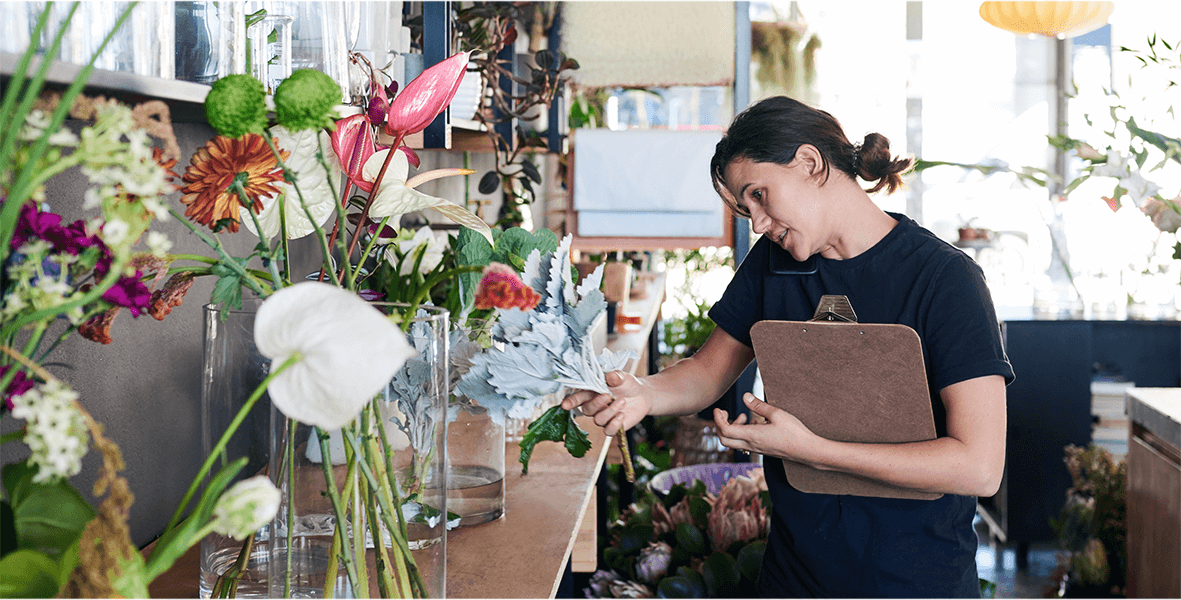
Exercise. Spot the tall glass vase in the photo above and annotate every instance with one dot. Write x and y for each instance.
(388, 483)
(475, 463)
(232, 369)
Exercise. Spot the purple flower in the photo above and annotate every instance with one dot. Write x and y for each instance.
(47, 226)
(130, 293)
(19, 385)
(33, 223)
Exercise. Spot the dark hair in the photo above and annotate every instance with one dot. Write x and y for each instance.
(771, 130)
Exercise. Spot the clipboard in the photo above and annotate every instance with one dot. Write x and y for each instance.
(846, 381)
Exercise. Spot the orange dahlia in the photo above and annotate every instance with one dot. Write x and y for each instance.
(208, 193)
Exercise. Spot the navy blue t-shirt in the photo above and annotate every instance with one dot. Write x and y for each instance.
(853, 546)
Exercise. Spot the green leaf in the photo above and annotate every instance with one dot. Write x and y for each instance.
(516, 244)
(636, 537)
(176, 541)
(577, 442)
(227, 292)
(1156, 139)
(615, 559)
(132, 581)
(554, 425)
(721, 575)
(691, 539)
(28, 574)
(7, 529)
(750, 559)
(699, 509)
(680, 586)
(67, 562)
(48, 517)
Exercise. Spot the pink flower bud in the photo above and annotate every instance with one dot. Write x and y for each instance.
(377, 110)
(426, 97)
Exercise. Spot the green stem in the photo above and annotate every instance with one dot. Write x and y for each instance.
(289, 458)
(193, 257)
(369, 247)
(337, 505)
(268, 256)
(253, 283)
(283, 241)
(387, 514)
(290, 176)
(434, 280)
(373, 194)
(227, 583)
(13, 436)
(225, 437)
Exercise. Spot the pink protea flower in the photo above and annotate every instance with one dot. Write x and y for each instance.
(738, 514)
(501, 287)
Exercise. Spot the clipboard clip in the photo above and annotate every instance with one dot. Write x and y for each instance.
(834, 308)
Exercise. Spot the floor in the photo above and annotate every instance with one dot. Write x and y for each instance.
(999, 565)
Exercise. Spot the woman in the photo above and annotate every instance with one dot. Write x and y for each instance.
(791, 170)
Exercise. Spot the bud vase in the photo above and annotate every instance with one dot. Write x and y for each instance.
(475, 463)
(232, 368)
(394, 536)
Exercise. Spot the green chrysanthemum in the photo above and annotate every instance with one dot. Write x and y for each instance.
(305, 100)
(236, 105)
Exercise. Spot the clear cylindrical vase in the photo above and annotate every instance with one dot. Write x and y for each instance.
(475, 464)
(388, 482)
(232, 370)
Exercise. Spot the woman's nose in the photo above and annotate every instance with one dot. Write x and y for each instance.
(760, 223)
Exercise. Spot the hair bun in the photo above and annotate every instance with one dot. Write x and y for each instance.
(872, 162)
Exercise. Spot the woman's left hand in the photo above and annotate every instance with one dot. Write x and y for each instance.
(776, 433)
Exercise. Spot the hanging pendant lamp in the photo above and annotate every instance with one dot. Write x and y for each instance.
(1051, 19)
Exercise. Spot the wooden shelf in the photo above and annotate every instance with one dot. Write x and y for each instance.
(184, 98)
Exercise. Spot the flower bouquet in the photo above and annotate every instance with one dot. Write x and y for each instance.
(688, 543)
(348, 375)
(543, 349)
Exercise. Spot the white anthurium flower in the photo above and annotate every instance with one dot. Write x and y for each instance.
(313, 183)
(347, 352)
(436, 245)
(397, 195)
(245, 507)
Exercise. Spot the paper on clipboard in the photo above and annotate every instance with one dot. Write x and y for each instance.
(847, 381)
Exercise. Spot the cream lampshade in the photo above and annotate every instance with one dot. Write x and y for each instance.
(1051, 19)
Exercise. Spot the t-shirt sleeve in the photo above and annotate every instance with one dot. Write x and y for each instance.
(963, 333)
(741, 306)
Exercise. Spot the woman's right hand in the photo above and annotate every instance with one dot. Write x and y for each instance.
(626, 405)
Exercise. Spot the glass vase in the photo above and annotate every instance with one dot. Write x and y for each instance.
(400, 437)
(475, 463)
(232, 369)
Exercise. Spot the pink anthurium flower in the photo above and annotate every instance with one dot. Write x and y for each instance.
(396, 194)
(425, 97)
(354, 142)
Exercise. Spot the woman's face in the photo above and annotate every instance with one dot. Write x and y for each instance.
(782, 202)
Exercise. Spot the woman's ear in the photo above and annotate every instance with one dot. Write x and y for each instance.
(809, 158)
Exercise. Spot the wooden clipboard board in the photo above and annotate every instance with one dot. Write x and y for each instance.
(846, 381)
